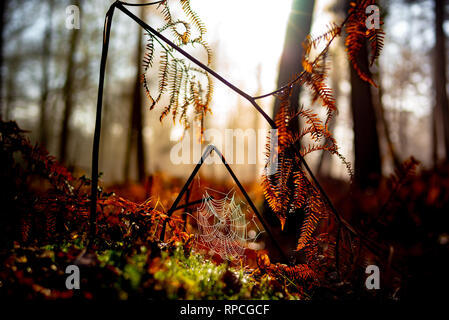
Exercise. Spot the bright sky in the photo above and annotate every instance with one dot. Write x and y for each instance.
(244, 35)
(252, 39)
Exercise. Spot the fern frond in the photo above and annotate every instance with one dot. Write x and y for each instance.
(181, 38)
(25, 228)
(193, 17)
(149, 53)
(163, 73)
(333, 31)
(298, 273)
(315, 78)
(402, 173)
(314, 122)
(176, 76)
(301, 187)
(282, 120)
(315, 147)
(166, 12)
(376, 41)
(206, 48)
(146, 87)
(315, 211)
(358, 34)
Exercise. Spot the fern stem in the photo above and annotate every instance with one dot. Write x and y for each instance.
(197, 62)
(96, 142)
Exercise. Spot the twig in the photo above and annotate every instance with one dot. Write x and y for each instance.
(141, 4)
(189, 204)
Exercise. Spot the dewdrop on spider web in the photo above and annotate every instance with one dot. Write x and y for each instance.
(223, 227)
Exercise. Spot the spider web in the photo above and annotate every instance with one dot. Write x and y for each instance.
(223, 227)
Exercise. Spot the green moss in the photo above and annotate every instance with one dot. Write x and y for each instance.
(200, 278)
(143, 273)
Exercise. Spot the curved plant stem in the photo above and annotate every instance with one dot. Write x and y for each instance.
(96, 143)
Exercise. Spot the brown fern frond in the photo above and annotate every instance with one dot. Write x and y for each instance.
(165, 112)
(333, 31)
(50, 222)
(309, 148)
(376, 41)
(315, 211)
(315, 72)
(406, 170)
(299, 272)
(270, 194)
(282, 121)
(316, 81)
(315, 125)
(301, 188)
(296, 273)
(358, 34)
(25, 228)
(146, 87)
(166, 12)
(149, 53)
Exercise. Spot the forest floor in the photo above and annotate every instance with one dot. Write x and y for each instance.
(44, 229)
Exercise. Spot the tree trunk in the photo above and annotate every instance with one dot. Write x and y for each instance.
(384, 123)
(135, 134)
(46, 48)
(441, 101)
(3, 6)
(298, 28)
(434, 120)
(68, 92)
(367, 165)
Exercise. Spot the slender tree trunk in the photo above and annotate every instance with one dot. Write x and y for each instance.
(367, 164)
(46, 48)
(298, 28)
(135, 134)
(68, 93)
(384, 123)
(441, 100)
(10, 96)
(434, 137)
(3, 6)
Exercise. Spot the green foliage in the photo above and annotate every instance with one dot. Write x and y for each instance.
(193, 277)
(144, 273)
